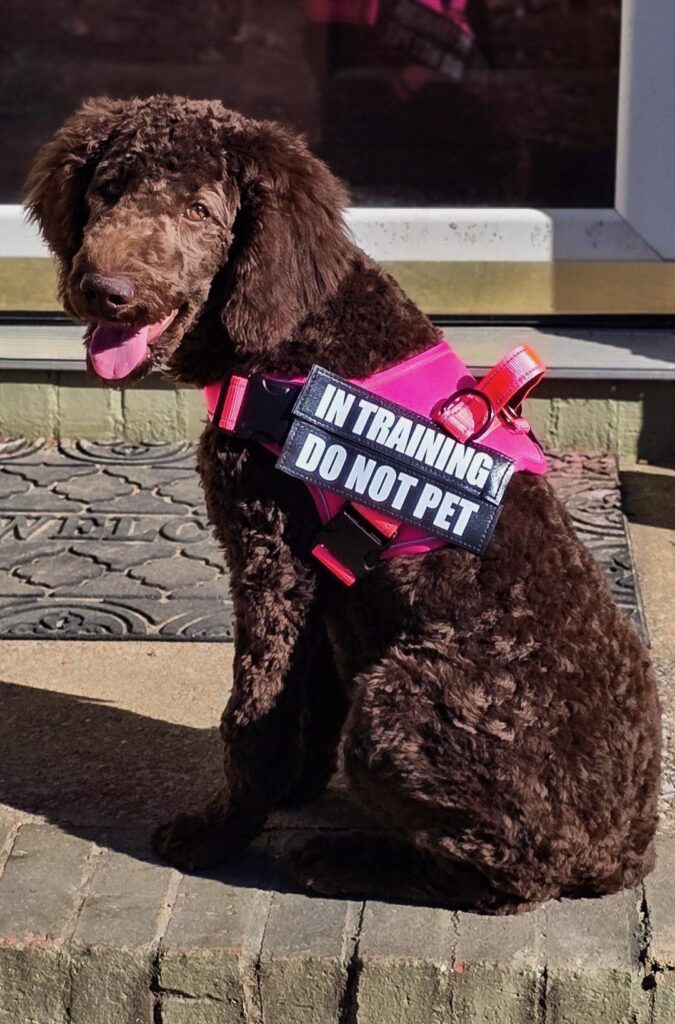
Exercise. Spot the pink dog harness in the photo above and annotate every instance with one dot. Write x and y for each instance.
(386, 481)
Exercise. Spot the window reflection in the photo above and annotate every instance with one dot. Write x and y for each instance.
(412, 102)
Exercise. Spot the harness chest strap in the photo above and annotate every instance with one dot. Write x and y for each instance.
(470, 411)
(260, 408)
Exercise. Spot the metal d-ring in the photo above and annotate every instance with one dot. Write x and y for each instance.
(488, 405)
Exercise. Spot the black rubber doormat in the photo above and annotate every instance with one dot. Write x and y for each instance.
(110, 541)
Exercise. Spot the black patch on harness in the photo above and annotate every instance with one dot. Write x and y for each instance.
(385, 428)
(380, 482)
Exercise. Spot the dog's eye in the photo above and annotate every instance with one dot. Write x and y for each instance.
(111, 190)
(197, 212)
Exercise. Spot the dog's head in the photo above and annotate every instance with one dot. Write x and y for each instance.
(161, 209)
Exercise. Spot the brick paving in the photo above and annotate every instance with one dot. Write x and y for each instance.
(89, 935)
(98, 741)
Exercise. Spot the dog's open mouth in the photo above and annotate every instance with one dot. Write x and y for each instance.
(115, 350)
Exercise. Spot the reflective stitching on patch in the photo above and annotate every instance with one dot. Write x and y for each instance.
(361, 417)
(372, 479)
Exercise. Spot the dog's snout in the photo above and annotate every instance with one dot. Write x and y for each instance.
(109, 293)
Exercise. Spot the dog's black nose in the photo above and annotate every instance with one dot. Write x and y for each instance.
(110, 293)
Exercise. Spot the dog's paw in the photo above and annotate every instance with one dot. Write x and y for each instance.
(194, 841)
(315, 867)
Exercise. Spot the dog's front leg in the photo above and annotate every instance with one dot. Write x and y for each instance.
(278, 642)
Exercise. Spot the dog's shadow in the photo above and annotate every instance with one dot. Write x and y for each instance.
(110, 775)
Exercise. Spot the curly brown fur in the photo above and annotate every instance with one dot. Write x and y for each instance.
(497, 714)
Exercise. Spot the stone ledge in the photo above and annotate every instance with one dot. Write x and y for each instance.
(569, 353)
(634, 418)
(92, 936)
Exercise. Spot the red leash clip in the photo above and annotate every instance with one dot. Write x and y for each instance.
(470, 412)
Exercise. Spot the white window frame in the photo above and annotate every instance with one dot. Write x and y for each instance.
(640, 227)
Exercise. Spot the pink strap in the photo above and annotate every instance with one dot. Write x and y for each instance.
(233, 402)
(471, 410)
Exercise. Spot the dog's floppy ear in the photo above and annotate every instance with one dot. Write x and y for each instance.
(290, 248)
(60, 174)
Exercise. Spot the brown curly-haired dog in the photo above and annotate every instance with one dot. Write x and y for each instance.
(497, 714)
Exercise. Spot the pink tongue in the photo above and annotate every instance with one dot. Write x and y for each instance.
(116, 351)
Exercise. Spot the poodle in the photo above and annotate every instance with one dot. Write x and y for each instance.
(496, 714)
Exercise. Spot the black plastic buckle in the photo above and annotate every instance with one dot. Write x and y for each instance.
(351, 541)
(266, 410)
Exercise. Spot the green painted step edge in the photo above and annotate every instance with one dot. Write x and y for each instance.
(631, 418)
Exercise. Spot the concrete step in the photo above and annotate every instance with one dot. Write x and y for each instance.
(608, 389)
(101, 741)
(589, 353)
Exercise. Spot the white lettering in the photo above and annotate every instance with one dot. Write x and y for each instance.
(382, 483)
(332, 462)
(415, 439)
(383, 420)
(447, 508)
(325, 400)
(444, 453)
(466, 511)
(367, 410)
(360, 474)
(429, 498)
(405, 483)
(400, 435)
(431, 444)
(311, 452)
(339, 408)
(459, 460)
(479, 470)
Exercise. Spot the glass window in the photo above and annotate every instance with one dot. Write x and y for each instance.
(412, 102)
